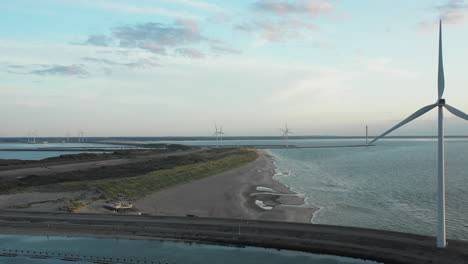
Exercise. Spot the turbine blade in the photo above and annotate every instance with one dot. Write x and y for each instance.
(441, 78)
(456, 112)
(290, 132)
(416, 114)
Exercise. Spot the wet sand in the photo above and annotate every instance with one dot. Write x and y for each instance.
(232, 194)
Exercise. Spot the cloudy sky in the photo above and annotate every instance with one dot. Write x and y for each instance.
(177, 67)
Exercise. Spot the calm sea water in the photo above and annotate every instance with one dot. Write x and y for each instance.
(38, 155)
(157, 251)
(391, 186)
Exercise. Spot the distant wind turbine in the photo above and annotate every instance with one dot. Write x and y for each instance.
(216, 134)
(34, 135)
(440, 104)
(81, 136)
(29, 136)
(286, 132)
(221, 133)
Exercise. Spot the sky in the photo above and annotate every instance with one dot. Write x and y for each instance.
(178, 67)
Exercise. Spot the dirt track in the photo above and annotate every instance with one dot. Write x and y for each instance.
(43, 169)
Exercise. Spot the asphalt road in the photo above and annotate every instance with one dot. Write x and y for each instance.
(383, 246)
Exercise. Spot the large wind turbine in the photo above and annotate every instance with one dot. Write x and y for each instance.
(440, 104)
(286, 132)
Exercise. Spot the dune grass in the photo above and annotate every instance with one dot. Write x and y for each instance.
(139, 186)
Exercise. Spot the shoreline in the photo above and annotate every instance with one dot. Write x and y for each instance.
(249, 192)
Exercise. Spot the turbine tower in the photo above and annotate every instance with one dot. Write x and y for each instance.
(286, 132)
(367, 135)
(440, 104)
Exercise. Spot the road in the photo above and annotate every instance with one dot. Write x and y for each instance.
(378, 245)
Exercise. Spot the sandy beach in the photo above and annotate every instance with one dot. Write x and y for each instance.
(248, 192)
(233, 194)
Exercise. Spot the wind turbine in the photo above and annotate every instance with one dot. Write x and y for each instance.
(29, 136)
(440, 104)
(221, 133)
(286, 133)
(34, 135)
(216, 134)
(80, 136)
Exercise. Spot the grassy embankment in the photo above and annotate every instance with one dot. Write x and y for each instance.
(139, 186)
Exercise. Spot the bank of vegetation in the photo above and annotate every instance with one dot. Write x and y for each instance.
(139, 186)
(135, 180)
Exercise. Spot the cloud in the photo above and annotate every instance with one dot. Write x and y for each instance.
(312, 8)
(278, 31)
(142, 63)
(385, 68)
(162, 39)
(320, 88)
(221, 50)
(452, 12)
(196, 4)
(155, 48)
(190, 53)
(286, 19)
(182, 32)
(72, 70)
(98, 40)
(15, 66)
(133, 9)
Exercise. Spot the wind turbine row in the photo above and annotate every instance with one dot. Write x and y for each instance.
(32, 133)
(440, 104)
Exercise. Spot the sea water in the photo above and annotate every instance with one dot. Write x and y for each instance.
(390, 186)
(138, 251)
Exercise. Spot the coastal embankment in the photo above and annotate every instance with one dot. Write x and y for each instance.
(362, 243)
